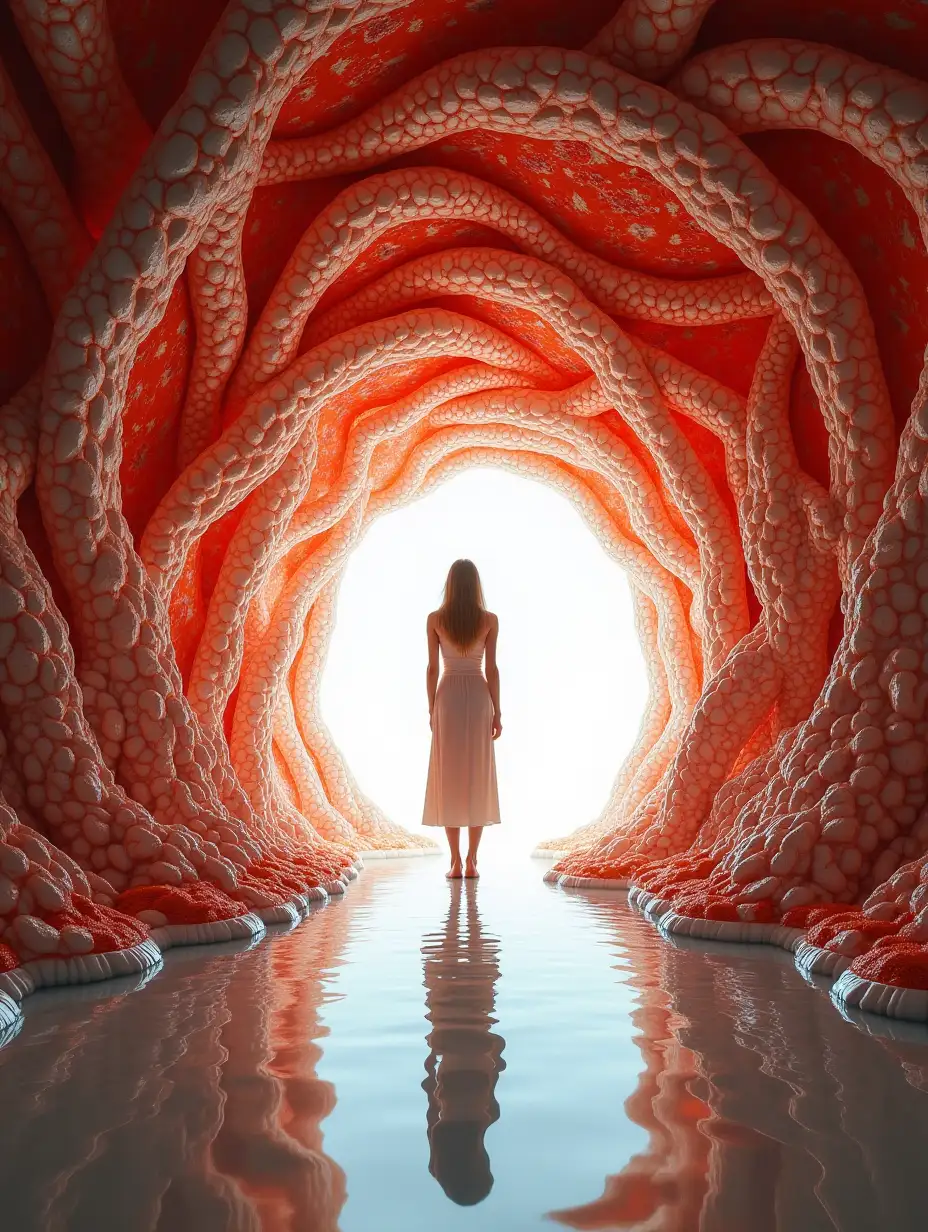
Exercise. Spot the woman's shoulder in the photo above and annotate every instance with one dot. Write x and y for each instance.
(492, 620)
(432, 621)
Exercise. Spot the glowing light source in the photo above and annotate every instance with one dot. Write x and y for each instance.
(573, 679)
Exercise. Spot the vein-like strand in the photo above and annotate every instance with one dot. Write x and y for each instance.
(786, 83)
(33, 196)
(255, 443)
(554, 95)
(270, 524)
(793, 578)
(312, 803)
(249, 557)
(119, 297)
(526, 283)
(650, 37)
(266, 665)
(365, 212)
(708, 403)
(72, 47)
(218, 295)
(781, 664)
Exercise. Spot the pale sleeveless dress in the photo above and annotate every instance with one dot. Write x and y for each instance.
(461, 789)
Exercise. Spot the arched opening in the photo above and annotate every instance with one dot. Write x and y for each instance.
(574, 683)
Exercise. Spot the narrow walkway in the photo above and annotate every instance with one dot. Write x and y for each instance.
(492, 1057)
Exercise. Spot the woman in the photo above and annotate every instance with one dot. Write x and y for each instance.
(464, 715)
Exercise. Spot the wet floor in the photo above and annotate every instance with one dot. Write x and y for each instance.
(422, 1056)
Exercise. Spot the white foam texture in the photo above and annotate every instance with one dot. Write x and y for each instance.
(145, 957)
(849, 991)
(856, 992)
(239, 928)
(11, 1018)
(55, 971)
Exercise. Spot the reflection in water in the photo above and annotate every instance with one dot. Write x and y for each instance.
(270, 1141)
(764, 1109)
(191, 1104)
(660, 1086)
(461, 968)
(663, 1188)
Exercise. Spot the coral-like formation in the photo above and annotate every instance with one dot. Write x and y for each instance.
(314, 257)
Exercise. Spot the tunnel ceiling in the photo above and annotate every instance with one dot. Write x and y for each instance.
(268, 271)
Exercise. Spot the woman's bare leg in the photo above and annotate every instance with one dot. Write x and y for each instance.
(473, 842)
(454, 843)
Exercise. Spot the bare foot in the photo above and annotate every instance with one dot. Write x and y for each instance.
(454, 873)
(470, 869)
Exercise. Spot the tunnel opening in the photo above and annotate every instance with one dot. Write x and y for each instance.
(574, 681)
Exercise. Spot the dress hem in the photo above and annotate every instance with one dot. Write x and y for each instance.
(466, 825)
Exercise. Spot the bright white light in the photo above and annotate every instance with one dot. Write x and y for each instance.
(573, 683)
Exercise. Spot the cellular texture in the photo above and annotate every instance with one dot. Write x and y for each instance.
(311, 259)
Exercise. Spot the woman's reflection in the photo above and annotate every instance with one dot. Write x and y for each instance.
(461, 968)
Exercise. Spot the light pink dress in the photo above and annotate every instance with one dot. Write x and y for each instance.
(461, 789)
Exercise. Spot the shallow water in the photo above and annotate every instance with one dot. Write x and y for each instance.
(494, 1056)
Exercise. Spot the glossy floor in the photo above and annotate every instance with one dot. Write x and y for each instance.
(429, 1056)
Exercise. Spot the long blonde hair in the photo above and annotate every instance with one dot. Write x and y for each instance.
(463, 610)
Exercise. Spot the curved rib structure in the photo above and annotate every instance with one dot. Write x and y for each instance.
(575, 273)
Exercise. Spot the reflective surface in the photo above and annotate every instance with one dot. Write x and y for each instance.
(430, 1056)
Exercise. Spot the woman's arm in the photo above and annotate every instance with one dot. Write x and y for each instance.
(431, 675)
(493, 674)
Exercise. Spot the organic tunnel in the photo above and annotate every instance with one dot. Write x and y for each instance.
(269, 270)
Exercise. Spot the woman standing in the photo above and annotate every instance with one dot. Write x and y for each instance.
(464, 714)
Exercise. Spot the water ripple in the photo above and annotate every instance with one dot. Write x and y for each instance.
(489, 1056)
